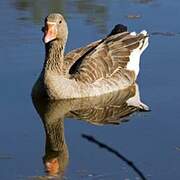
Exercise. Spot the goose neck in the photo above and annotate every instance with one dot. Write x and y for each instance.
(54, 57)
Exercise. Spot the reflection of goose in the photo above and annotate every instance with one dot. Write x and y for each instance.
(56, 152)
(106, 109)
(111, 108)
(101, 67)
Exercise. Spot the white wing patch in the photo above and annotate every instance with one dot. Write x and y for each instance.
(133, 64)
(134, 57)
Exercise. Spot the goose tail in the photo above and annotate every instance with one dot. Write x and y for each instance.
(134, 58)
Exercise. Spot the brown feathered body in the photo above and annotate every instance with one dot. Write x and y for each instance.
(101, 67)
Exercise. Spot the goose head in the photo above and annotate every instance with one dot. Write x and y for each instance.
(55, 28)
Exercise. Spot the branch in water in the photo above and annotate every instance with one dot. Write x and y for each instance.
(113, 151)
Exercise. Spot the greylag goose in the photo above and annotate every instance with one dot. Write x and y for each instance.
(104, 66)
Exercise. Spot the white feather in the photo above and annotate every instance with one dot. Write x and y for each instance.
(134, 57)
(133, 33)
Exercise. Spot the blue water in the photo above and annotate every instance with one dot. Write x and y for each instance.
(150, 139)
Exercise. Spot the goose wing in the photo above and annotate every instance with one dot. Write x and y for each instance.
(76, 54)
(109, 57)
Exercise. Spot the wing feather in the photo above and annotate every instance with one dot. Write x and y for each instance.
(107, 58)
(71, 58)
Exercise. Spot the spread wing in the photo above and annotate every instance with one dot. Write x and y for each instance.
(108, 57)
(70, 61)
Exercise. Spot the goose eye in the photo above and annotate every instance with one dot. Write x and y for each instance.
(60, 22)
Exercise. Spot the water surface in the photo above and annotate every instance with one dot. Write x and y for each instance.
(150, 139)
